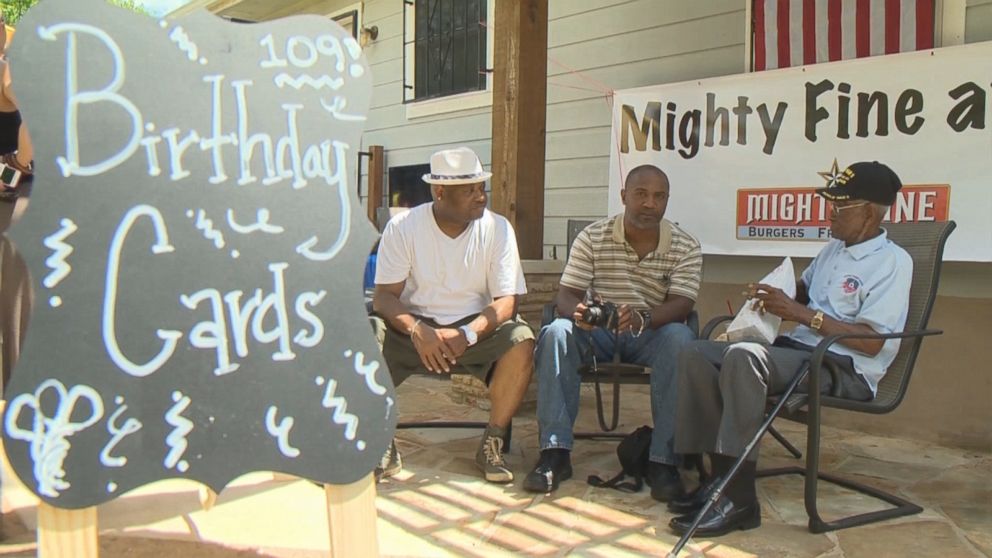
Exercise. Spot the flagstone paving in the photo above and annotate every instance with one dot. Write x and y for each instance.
(439, 505)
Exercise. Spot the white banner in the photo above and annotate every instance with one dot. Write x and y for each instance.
(743, 153)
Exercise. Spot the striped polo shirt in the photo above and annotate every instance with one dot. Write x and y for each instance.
(602, 258)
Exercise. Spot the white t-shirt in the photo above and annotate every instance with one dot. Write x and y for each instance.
(448, 279)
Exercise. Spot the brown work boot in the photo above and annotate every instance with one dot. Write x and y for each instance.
(489, 457)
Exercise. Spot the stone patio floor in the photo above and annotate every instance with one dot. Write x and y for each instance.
(439, 505)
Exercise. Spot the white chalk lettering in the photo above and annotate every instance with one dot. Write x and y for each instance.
(60, 253)
(184, 43)
(280, 431)
(312, 339)
(206, 226)
(211, 334)
(169, 337)
(367, 371)
(306, 249)
(118, 433)
(339, 407)
(177, 148)
(247, 143)
(261, 223)
(274, 61)
(250, 318)
(240, 316)
(275, 301)
(69, 164)
(150, 143)
(176, 440)
(336, 108)
(49, 435)
(217, 140)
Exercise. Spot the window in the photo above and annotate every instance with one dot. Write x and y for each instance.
(446, 48)
(348, 18)
(407, 187)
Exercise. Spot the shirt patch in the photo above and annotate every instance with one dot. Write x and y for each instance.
(851, 284)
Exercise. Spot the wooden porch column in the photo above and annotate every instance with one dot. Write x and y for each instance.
(376, 176)
(519, 112)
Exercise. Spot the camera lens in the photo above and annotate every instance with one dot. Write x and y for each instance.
(593, 315)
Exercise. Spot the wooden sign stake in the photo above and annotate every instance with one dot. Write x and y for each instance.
(64, 533)
(207, 497)
(351, 518)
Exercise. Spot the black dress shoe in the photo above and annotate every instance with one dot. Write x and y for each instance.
(665, 482)
(723, 517)
(554, 466)
(693, 502)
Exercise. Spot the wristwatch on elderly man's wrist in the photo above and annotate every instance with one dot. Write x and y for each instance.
(816, 322)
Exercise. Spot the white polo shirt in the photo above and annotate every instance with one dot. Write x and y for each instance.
(448, 279)
(867, 283)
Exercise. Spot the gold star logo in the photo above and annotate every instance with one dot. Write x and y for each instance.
(831, 175)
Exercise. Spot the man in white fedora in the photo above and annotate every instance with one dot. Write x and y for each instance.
(447, 284)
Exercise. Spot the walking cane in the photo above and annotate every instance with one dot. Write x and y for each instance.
(722, 485)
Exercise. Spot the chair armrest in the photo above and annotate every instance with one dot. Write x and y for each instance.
(816, 360)
(712, 324)
(692, 322)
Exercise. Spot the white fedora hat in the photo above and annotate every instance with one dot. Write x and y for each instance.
(456, 166)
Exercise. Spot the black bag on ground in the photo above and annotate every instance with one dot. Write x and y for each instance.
(634, 451)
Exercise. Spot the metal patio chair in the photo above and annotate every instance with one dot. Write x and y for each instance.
(925, 244)
(614, 372)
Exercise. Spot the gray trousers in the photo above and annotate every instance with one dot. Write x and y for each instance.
(723, 388)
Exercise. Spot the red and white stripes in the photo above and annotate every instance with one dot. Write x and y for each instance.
(798, 32)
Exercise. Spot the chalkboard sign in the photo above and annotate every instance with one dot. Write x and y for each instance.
(196, 250)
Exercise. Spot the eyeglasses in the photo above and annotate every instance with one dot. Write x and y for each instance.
(836, 209)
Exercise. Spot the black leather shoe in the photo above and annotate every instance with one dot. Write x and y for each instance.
(554, 466)
(665, 482)
(693, 502)
(723, 517)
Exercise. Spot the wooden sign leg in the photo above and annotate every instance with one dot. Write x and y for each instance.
(67, 533)
(351, 519)
(207, 497)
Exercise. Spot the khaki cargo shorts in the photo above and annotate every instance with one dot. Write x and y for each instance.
(403, 360)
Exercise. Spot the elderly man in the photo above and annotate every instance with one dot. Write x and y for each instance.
(448, 279)
(649, 267)
(858, 284)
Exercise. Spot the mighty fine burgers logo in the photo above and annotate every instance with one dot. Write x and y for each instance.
(800, 214)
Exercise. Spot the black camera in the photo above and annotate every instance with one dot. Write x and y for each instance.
(602, 314)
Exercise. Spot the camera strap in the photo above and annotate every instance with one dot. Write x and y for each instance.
(615, 377)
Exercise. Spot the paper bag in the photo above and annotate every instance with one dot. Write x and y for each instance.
(750, 324)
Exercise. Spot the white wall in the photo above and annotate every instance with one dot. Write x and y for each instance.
(598, 45)
(410, 141)
(978, 21)
(593, 44)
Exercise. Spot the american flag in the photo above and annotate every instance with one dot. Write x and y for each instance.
(797, 32)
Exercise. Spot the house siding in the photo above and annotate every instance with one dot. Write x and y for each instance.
(595, 46)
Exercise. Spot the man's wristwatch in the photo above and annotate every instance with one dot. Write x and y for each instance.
(817, 321)
(470, 336)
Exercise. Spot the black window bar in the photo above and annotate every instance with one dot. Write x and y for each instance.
(449, 48)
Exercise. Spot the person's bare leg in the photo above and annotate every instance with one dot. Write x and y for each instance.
(506, 388)
(509, 382)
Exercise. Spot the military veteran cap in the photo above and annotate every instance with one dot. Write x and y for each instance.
(869, 181)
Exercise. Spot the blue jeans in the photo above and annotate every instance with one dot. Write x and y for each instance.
(562, 348)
